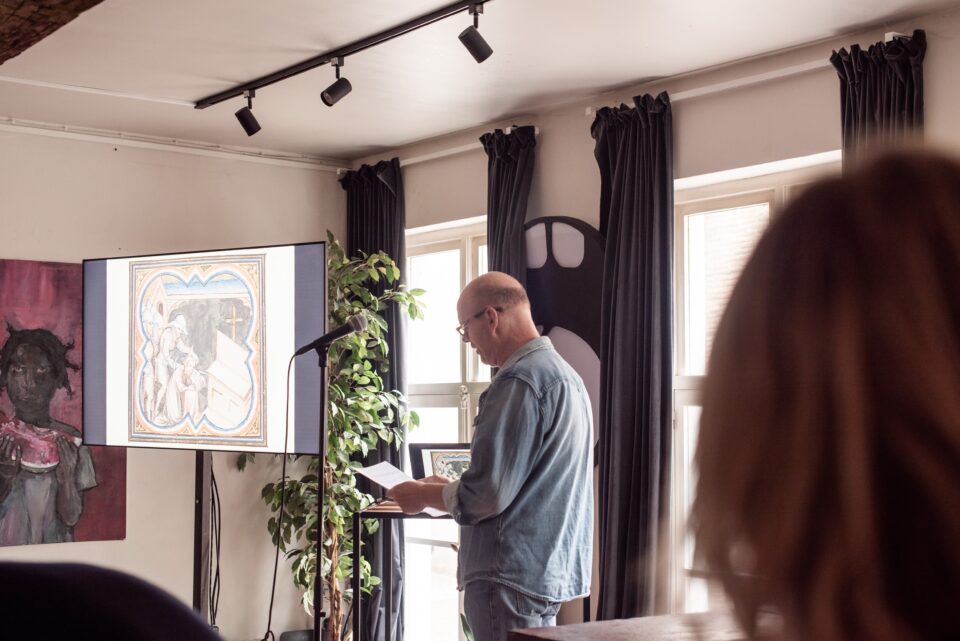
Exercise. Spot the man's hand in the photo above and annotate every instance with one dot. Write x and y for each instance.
(410, 496)
(413, 496)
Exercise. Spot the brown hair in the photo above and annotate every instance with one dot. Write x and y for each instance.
(829, 447)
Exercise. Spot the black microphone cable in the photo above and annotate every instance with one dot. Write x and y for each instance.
(283, 504)
(355, 323)
(217, 527)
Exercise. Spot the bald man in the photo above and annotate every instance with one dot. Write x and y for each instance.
(525, 505)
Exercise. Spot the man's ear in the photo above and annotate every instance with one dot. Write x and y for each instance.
(493, 317)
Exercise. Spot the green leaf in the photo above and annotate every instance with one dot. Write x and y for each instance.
(243, 459)
(467, 632)
(360, 415)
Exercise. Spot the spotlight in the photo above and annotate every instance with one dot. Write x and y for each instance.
(245, 115)
(472, 39)
(340, 88)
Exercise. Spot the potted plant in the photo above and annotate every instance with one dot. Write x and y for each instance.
(360, 415)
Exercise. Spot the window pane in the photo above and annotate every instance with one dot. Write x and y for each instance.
(690, 424)
(698, 596)
(432, 606)
(483, 374)
(483, 371)
(431, 563)
(433, 355)
(482, 259)
(703, 595)
(437, 425)
(716, 247)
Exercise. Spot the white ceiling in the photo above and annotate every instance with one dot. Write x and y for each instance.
(417, 86)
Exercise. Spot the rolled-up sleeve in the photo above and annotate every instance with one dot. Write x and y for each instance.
(506, 444)
(450, 501)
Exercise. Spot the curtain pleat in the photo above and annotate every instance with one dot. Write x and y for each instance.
(375, 222)
(881, 93)
(634, 151)
(510, 159)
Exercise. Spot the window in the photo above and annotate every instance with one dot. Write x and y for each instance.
(716, 243)
(444, 382)
(716, 229)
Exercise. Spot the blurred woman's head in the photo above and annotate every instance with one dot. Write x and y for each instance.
(829, 447)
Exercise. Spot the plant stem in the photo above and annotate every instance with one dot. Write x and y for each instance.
(333, 586)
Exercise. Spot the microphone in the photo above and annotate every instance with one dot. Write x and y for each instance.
(356, 323)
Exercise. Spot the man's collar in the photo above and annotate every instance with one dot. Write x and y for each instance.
(532, 345)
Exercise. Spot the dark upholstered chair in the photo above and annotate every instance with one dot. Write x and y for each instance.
(67, 601)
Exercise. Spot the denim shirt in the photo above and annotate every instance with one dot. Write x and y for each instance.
(525, 505)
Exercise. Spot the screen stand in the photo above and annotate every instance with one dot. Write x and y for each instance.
(318, 613)
(201, 535)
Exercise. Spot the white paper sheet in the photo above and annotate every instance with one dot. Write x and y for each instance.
(386, 476)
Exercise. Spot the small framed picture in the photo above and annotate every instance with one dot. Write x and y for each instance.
(439, 459)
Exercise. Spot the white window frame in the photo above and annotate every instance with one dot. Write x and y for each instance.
(465, 393)
(467, 238)
(774, 189)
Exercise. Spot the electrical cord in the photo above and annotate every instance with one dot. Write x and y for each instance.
(216, 526)
(283, 503)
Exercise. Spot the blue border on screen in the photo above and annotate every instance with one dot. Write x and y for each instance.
(94, 352)
(310, 297)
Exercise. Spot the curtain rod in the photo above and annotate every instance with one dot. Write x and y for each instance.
(453, 151)
(444, 153)
(739, 83)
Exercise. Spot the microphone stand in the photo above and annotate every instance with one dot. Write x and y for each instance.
(318, 613)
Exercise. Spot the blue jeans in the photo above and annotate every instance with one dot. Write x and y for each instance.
(493, 608)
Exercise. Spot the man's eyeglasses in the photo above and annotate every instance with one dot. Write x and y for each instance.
(462, 328)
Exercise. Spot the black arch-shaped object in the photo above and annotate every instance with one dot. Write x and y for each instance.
(567, 297)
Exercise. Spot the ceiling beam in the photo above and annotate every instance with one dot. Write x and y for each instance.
(24, 24)
(341, 52)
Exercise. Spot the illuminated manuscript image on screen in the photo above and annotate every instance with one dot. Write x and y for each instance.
(197, 351)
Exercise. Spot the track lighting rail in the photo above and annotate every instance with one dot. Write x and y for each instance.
(341, 52)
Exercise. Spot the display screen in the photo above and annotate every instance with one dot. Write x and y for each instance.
(190, 351)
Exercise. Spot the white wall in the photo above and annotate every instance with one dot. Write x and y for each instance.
(66, 200)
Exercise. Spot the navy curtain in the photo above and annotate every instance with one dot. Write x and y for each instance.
(510, 159)
(881, 93)
(634, 150)
(375, 222)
